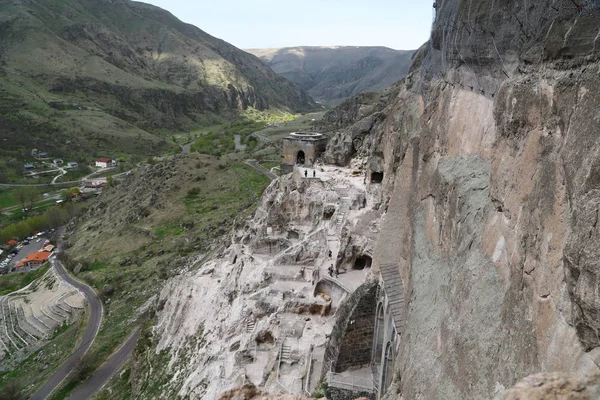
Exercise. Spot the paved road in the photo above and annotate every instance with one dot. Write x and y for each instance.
(106, 370)
(256, 165)
(68, 183)
(88, 336)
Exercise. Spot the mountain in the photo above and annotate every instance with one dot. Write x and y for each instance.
(331, 74)
(81, 76)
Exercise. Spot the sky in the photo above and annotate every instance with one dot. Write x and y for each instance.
(398, 24)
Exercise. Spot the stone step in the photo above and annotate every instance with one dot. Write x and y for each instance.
(250, 324)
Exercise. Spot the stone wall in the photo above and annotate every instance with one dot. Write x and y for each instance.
(357, 343)
(312, 149)
(350, 343)
(334, 393)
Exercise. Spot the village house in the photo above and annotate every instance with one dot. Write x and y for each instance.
(42, 155)
(105, 163)
(58, 161)
(11, 243)
(28, 167)
(96, 183)
(72, 164)
(33, 260)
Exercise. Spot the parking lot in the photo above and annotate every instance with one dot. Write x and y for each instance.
(33, 247)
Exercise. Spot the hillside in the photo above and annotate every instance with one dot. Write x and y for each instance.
(331, 74)
(116, 76)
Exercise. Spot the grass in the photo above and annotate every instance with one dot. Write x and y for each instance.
(281, 130)
(212, 195)
(18, 280)
(7, 199)
(271, 164)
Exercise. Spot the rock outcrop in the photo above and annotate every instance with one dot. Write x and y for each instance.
(488, 156)
(555, 386)
(485, 168)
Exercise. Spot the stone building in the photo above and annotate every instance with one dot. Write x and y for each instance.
(302, 148)
(363, 346)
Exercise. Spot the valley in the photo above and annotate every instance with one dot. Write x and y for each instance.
(332, 74)
(432, 235)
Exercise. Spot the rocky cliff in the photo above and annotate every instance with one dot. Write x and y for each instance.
(489, 158)
(332, 74)
(484, 170)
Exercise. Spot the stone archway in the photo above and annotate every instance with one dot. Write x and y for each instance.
(300, 158)
(388, 368)
(379, 336)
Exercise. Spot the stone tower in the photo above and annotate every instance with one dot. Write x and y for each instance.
(302, 148)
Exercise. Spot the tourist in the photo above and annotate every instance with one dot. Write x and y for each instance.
(337, 271)
(314, 173)
(305, 173)
(330, 270)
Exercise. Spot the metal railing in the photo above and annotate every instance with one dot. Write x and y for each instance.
(308, 372)
(350, 382)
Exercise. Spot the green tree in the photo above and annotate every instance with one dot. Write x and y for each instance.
(11, 391)
(20, 195)
(65, 195)
(33, 195)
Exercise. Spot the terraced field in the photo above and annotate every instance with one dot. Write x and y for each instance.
(30, 316)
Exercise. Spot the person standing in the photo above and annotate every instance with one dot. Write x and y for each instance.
(305, 173)
(314, 173)
(330, 270)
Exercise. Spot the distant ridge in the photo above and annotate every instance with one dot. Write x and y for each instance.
(331, 74)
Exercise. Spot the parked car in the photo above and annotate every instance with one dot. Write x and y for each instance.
(25, 242)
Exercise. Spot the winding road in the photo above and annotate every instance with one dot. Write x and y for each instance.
(89, 335)
(106, 371)
(256, 165)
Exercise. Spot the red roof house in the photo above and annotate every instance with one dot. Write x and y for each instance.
(11, 243)
(34, 259)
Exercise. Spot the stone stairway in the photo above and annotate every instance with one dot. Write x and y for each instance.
(250, 324)
(341, 214)
(286, 350)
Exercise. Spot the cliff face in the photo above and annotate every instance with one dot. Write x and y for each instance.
(490, 162)
(490, 194)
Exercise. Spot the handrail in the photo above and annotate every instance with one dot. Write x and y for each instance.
(353, 383)
(281, 386)
(308, 372)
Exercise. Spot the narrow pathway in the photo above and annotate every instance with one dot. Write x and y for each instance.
(256, 165)
(89, 335)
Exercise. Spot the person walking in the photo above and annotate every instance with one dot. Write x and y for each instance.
(305, 173)
(330, 253)
(314, 173)
(337, 272)
(330, 270)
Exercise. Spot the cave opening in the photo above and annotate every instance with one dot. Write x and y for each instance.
(362, 262)
(376, 177)
(300, 158)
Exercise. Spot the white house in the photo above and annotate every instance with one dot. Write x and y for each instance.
(105, 163)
